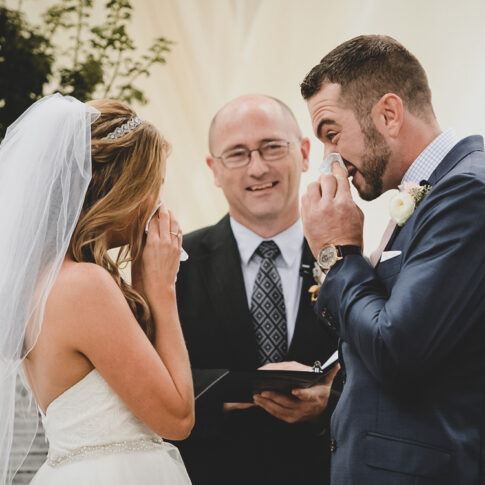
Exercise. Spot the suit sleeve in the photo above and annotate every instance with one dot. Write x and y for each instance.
(437, 299)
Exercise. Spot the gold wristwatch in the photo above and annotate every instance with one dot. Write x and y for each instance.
(330, 254)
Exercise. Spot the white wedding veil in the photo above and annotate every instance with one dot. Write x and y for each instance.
(45, 169)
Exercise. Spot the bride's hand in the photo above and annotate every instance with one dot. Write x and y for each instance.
(161, 255)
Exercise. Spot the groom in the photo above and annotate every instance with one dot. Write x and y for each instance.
(412, 329)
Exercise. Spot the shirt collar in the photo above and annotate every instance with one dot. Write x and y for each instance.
(289, 241)
(430, 157)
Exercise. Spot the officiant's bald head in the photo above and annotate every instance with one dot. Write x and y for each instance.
(273, 106)
(257, 155)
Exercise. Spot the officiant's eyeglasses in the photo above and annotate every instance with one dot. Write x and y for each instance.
(241, 156)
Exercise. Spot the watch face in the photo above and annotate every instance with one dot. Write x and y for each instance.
(327, 257)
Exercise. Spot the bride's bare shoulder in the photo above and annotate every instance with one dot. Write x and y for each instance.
(73, 269)
(83, 276)
(80, 285)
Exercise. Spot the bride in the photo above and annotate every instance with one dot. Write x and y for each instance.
(105, 360)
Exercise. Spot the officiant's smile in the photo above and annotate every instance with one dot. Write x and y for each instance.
(257, 154)
(262, 187)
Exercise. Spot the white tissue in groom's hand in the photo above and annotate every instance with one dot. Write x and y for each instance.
(326, 165)
(389, 255)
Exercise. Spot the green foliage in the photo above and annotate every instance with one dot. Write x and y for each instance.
(25, 65)
(97, 61)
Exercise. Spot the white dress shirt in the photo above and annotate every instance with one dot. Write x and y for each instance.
(287, 263)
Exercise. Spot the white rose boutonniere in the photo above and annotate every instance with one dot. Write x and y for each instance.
(402, 206)
(405, 202)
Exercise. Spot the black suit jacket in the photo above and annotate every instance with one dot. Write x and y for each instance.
(247, 446)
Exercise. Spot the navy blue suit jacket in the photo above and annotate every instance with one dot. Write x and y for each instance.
(412, 336)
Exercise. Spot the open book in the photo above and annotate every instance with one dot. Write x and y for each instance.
(240, 385)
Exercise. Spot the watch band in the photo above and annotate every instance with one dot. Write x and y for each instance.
(348, 249)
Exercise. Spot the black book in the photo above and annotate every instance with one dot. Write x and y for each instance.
(240, 385)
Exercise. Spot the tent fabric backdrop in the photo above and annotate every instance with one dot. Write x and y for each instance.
(225, 48)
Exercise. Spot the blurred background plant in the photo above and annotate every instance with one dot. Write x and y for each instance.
(66, 53)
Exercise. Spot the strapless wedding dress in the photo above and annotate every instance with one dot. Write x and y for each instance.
(94, 439)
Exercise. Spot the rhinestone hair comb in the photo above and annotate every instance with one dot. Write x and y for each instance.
(123, 129)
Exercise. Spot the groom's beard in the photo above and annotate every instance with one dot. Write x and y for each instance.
(374, 161)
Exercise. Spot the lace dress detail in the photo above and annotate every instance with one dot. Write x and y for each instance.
(94, 438)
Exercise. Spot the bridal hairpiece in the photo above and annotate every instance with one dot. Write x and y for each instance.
(123, 129)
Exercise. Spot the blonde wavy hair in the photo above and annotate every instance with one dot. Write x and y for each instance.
(127, 175)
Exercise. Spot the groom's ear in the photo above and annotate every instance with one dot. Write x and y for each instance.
(212, 165)
(388, 115)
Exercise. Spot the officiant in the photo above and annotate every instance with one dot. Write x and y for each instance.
(244, 303)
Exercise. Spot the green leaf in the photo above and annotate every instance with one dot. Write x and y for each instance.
(31, 56)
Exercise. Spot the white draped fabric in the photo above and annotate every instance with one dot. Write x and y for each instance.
(225, 48)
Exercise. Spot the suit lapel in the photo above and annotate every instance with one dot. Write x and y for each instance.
(223, 275)
(311, 340)
(304, 333)
(456, 154)
(452, 158)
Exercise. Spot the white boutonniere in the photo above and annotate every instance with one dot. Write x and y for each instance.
(405, 202)
(318, 277)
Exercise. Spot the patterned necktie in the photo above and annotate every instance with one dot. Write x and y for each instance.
(268, 307)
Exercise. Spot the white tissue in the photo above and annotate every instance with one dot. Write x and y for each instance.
(183, 254)
(326, 165)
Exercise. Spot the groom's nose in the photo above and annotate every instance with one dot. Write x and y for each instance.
(328, 147)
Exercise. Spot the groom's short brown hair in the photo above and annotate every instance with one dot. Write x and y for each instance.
(367, 67)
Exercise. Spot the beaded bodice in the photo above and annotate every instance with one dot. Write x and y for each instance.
(90, 418)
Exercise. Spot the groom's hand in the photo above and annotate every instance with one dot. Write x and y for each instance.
(329, 214)
(304, 404)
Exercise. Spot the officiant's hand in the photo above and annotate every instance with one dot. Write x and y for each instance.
(304, 404)
(289, 365)
(329, 214)
(236, 406)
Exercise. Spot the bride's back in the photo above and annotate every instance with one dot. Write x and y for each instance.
(55, 363)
